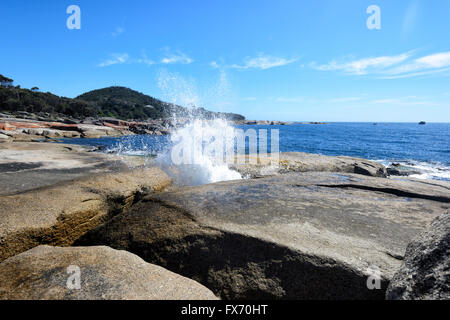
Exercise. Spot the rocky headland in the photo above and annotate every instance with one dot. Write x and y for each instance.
(310, 227)
(29, 127)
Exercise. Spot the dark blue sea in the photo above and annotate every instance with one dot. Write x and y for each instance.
(426, 148)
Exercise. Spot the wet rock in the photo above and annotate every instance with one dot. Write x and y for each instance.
(257, 166)
(56, 163)
(397, 169)
(425, 272)
(44, 273)
(313, 235)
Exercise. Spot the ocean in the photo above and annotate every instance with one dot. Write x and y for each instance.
(424, 149)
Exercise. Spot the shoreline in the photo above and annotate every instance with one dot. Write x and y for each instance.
(333, 216)
(31, 130)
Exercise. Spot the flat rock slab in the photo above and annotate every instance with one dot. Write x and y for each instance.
(50, 273)
(295, 236)
(263, 165)
(27, 166)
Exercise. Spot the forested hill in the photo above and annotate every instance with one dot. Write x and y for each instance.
(118, 102)
(124, 103)
(131, 104)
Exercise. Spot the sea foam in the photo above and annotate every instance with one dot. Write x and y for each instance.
(198, 153)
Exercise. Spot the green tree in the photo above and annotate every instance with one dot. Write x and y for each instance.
(5, 82)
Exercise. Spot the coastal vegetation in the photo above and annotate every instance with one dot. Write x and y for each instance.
(117, 102)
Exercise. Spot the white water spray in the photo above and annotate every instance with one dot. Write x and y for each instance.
(200, 147)
(199, 153)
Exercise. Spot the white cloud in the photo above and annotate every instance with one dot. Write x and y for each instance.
(145, 60)
(290, 99)
(118, 32)
(437, 60)
(392, 67)
(404, 101)
(347, 99)
(263, 62)
(117, 58)
(363, 100)
(176, 58)
(363, 66)
(120, 58)
(249, 99)
(427, 65)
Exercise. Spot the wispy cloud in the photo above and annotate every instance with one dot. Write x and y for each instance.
(117, 32)
(145, 60)
(214, 64)
(404, 101)
(346, 99)
(363, 100)
(290, 99)
(249, 99)
(392, 67)
(117, 58)
(263, 62)
(363, 66)
(431, 64)
(316, 100)
(121, 58)
(176, 58)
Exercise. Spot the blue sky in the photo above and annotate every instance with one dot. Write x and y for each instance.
(266, 59)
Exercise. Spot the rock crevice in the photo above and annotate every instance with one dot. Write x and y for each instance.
(395, 192)
(233, 266)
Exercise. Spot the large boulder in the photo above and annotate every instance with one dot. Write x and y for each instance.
(425, 272)
(263, 165)
(60, 214)
(54, 193)
(50, 273)
(96, 131)
(293, 236)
